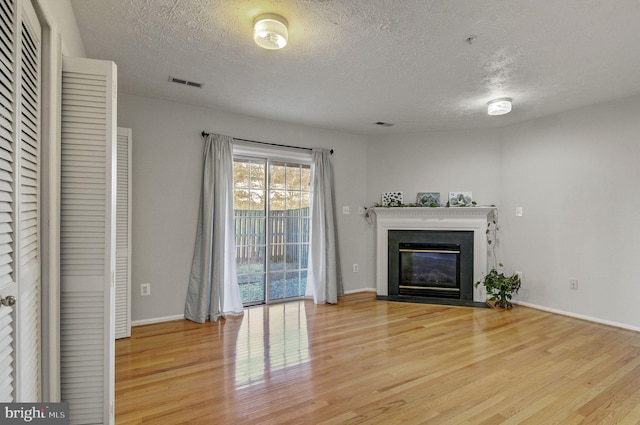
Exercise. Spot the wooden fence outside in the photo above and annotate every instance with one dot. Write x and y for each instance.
(289, 230)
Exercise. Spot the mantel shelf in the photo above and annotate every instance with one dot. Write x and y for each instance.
(433, 211)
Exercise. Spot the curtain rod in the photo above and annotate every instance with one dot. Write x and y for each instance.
(205, 134)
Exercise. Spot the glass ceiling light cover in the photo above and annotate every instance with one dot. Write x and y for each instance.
(499, 106)
(270, 31)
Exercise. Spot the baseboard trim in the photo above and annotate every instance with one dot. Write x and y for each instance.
(356, 291)
(579, 316)
(143, 322)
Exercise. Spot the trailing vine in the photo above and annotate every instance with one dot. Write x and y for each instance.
(500, 287)
(492, 238)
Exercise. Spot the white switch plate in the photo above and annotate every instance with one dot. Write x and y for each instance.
(518, 211)
(345, 209)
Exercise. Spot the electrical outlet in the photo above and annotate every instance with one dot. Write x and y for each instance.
(573, 284)
(345, 209)
(145, 289)
(356, 268)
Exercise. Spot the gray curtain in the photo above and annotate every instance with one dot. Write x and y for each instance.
(213, 290)
(324, 276)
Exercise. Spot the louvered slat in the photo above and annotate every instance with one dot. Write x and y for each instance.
(77, 171)
(30, 308)
(7, 150)
(7, 106)
(28, 254)
(82, 355)
(7, 352)
(123, 236)
(86, 239)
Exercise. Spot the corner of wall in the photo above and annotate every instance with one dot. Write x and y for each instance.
(59, 14)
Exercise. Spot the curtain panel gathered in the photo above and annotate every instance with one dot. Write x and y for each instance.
(324, 276)
(213, 290)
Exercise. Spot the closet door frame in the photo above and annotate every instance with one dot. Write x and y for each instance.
(52, 50)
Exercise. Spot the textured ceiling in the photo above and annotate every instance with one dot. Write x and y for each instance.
(352, 63)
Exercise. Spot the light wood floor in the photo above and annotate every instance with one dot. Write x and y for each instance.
(376, 362)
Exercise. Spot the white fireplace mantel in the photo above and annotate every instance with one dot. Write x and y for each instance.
(473, 219)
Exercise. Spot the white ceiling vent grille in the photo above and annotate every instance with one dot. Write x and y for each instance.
(384, 124)
(185, 82)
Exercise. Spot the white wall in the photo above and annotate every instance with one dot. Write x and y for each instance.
(167, 151)
(435, 162)
(576, 176)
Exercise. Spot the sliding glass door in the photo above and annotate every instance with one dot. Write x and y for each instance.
(271, 204)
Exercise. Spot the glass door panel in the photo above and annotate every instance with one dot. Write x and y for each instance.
(249, 204)
(289, 185)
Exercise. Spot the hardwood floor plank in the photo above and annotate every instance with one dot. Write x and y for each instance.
(376, 362)
(630, 413)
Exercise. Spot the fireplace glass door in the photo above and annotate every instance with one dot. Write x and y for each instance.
(431, 270)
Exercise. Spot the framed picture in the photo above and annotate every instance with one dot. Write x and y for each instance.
(391, 199)
(460, 199)
(428, 199)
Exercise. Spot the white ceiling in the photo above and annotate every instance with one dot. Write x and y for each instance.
(351, 63)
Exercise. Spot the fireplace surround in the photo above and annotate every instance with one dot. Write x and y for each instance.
(444, 226)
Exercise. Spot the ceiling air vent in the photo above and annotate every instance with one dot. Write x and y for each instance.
(384, 124)
(185, 82)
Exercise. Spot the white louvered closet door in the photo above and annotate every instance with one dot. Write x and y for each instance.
(20, 99)
(123, 235)
(87, 239)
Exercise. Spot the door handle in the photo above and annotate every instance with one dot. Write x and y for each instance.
(8, 301)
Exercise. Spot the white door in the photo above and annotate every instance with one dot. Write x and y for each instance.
(87, 239)
(20, 99)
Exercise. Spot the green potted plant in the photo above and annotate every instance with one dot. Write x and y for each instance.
(500, 287)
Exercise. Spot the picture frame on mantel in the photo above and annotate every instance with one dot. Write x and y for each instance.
(428, 199)
(460, 199)
(392, 199)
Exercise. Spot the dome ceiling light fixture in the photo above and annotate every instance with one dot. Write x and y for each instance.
(270, 31)
(499, 106)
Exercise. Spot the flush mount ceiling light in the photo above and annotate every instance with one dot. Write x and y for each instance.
(499, 106)
(270, 31)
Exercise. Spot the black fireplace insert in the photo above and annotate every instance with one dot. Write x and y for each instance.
(431, 270)
(431, 265)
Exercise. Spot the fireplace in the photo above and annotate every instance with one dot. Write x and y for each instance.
(440, 228)
(430, 270)
(431, 264)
